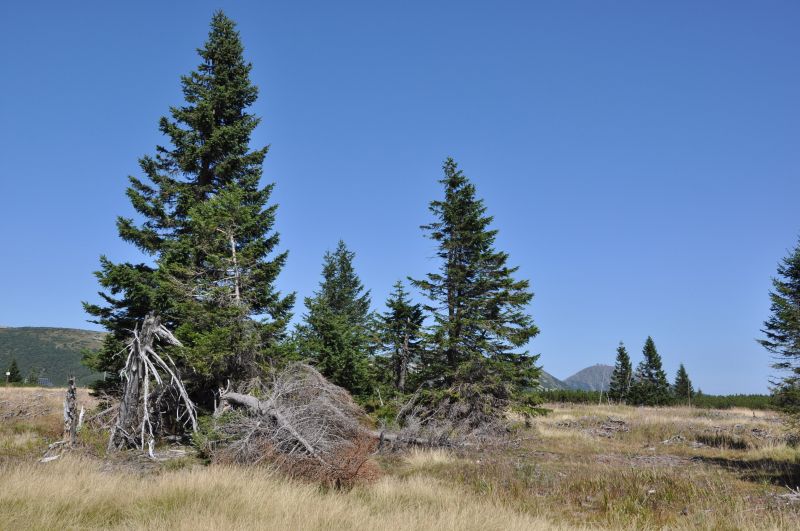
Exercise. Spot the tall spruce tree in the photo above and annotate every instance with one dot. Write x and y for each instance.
(335, 332)
(650, 386)
(479, 309)
(401, 334)
(782, 331)
(14, 376)
(683, 389)
(207, 229)
(622, 376)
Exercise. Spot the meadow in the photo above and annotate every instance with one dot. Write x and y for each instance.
(580, 466)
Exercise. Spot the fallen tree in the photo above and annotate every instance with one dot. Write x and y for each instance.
(299, 422)
(312, 428)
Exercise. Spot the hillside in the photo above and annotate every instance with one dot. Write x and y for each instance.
(594, 378)
(56, 352)
(52, 352)
(548, 381)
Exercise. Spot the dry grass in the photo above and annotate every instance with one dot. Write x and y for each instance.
(642, 468)
(75, 493)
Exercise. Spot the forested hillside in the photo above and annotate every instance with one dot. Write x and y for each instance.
(54, 353)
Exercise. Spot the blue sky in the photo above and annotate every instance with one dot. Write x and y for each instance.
(640, 158)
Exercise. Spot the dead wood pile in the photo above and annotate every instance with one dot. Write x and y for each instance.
(299, 422)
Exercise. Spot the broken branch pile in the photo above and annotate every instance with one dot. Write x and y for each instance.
(305, 425)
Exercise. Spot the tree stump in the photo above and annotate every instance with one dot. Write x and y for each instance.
(71, 414)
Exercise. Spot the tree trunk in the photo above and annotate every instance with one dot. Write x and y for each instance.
(71, 414)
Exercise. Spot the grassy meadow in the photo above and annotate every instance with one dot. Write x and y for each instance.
(581, 466)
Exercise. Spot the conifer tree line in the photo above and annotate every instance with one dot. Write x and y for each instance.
(206, 225)
(648, 384)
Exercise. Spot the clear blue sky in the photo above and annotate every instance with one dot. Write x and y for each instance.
(641, 158)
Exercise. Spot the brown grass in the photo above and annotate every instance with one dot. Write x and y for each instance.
(643, 468)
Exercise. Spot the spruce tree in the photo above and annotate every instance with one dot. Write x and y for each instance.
(14, 375)
(622, 376)
(782, 331)
(683, 389)
(207, 229)
(400, 334)
(650, 386)
(335, 332)
(480, 321)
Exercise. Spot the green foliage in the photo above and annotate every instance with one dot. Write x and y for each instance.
(208, 230)
(782, 331)
(400, 335)
(683, 389)
(570, 396)
(760, 402)
(206, 438)
(650, 386)
(478, 308)
(335, 331)
(14, 376)
(54, 353)
(757, 402)
(622, 376)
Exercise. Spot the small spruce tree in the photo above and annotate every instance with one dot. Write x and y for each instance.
(683, 389)
(400, 331)
(650, 386)
(336, 329)
(622, 376)
(480, 319)
(782, 332)
(14, 376)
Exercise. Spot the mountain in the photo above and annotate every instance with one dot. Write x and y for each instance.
(594, 378)
(53, 353)
(548, 381)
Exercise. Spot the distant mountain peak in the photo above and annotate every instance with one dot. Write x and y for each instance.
(593, 378)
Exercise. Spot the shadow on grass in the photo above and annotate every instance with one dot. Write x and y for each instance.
(783, 473)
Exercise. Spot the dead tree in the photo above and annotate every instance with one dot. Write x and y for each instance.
(148, 378)
(304, 424)
(71, 414)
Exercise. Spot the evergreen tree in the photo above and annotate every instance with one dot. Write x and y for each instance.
(683, 386)
(478, 307)
(13, 369)
(782, 331)
(622, 376)
(208, 230)
(400, 331)
(335, 332)
(650, 386)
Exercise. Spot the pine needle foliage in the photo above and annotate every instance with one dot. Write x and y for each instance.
(335, 331)
(622, 376)
(480, 320)
(782, 331)
(400, 332)
(682, 388)
(650, 386)
(205, 224)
